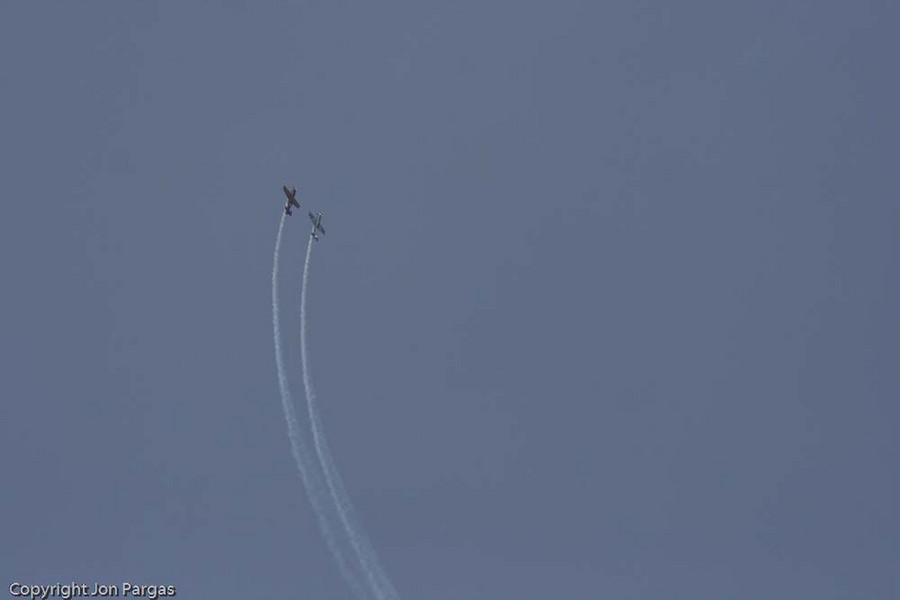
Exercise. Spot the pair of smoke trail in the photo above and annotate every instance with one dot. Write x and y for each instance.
(314, 473)
(312, 476)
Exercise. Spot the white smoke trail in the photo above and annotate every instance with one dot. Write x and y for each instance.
(365, 553)
(306, 463)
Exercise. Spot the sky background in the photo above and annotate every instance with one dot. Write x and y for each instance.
(606, 307)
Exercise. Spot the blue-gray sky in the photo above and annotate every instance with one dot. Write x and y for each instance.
(605, 308)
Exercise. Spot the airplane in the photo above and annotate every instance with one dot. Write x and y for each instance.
(317, 225)
(291, 200)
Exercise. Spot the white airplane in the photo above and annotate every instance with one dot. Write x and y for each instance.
(317, 226)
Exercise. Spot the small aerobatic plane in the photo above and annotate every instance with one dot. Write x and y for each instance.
(317, 226)
(291, 199)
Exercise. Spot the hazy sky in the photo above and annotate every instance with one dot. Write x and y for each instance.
(607, 307)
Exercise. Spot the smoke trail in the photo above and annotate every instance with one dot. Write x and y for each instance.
(306, 463)
(365, 553)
